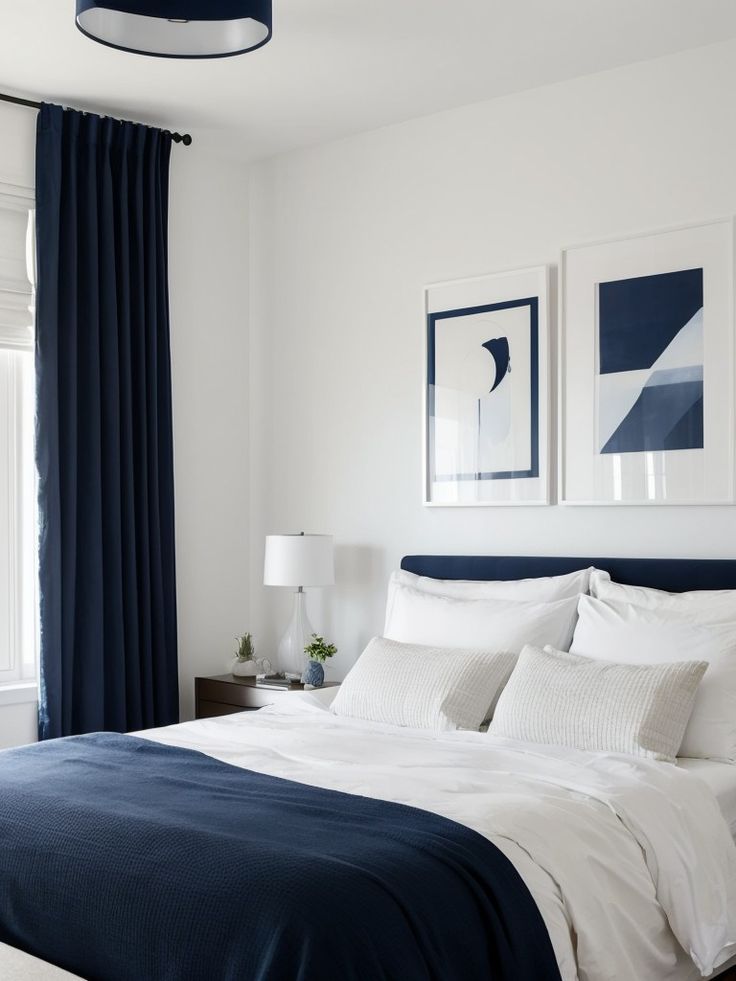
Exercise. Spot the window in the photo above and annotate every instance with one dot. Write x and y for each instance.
(18, 602)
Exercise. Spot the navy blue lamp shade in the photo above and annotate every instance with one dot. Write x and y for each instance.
(177, 28)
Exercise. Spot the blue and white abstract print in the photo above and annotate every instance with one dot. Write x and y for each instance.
(483, 392)
(650, 372)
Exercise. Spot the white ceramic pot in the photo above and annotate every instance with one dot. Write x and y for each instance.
(244, 669)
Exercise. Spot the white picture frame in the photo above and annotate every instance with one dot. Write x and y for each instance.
(486, 403)
(646, 378)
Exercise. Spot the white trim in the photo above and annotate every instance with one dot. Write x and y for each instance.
(21, 694)
(17, 309)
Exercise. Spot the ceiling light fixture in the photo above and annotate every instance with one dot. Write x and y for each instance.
(177, 28)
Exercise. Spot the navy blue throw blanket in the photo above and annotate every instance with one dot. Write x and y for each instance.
(124, 860)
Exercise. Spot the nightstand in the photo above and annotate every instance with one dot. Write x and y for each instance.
(226, 693)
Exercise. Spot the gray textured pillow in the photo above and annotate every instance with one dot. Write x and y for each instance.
(563, 699)
(423, 687)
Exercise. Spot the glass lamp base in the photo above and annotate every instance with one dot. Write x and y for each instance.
(291, 657)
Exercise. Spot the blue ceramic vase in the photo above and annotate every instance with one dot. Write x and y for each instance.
(313, 674)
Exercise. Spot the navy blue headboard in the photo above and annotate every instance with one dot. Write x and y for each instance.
(674, 575)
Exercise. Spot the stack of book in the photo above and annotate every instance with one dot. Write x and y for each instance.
(279, 681)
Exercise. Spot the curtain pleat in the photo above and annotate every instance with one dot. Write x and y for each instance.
(104, 426)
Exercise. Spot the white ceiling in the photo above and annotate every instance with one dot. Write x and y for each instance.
(336, 67)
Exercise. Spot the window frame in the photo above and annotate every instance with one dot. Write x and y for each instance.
(17, 313)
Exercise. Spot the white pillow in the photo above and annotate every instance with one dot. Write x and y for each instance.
(705, 605)
(478, 624)
(545, 589)
(623, 632)
(566, 700)
(423, 687)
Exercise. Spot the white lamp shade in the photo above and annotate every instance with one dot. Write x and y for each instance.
(299, 560)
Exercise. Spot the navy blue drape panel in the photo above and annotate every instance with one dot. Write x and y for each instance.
(104, 427)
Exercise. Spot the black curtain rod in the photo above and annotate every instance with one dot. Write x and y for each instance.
(15, 100)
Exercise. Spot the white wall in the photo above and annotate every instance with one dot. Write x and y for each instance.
(209, 341)
(343, 239)
(208, 236)
(17, 158)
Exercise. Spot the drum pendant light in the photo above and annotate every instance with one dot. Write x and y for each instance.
(177, 28)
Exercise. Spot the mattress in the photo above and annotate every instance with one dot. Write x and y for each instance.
(721, 780)
(17, 966)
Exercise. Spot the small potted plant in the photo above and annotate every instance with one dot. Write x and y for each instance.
(245, 664)
(317, 652)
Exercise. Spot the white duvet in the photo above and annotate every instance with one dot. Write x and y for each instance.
(629, 861)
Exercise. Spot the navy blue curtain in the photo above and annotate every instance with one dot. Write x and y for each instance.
(104, 428)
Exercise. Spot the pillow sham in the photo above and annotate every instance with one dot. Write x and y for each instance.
(478, 624)
(705, 605)
(625, 633)
(563, 699)
(423, 687)
(545, 589)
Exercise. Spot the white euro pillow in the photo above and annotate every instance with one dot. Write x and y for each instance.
(422, 687)
(561, 699)
(545, 589)
(704, 605)
(416, 617)
(626, 633)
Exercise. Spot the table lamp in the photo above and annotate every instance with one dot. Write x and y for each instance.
(297, 561)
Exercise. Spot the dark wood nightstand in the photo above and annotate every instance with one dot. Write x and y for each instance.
(226, 693)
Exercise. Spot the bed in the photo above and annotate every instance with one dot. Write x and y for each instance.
(624, 860)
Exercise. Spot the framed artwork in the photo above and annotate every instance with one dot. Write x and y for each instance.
(647, 369)
(487, 390)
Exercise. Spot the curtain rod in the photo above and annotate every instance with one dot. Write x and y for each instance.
(15, 100)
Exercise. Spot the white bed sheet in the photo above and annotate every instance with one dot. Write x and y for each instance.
(624, 857)
(721, 781)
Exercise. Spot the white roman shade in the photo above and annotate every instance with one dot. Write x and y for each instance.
(16, 267)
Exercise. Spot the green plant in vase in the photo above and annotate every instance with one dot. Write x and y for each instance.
(317, 651)
(245, 664)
